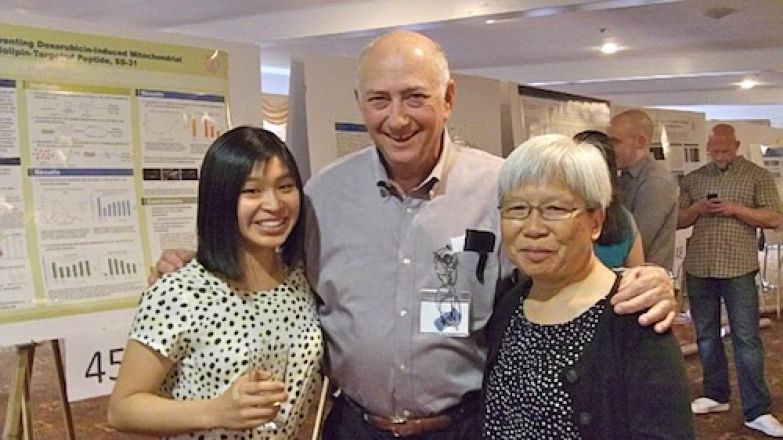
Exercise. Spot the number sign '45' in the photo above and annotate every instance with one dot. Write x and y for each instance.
(92, 362)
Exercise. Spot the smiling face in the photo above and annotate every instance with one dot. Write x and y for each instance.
(550, 250)
(268, 207)
(405, 103)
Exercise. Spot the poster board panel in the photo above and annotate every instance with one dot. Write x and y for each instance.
(101, 138)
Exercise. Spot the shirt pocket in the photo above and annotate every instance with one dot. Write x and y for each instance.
(481, 294)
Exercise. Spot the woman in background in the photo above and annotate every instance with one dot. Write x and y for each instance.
(561, 363)
(620, 244)
(201, 334)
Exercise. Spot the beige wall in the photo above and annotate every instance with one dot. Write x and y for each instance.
(329, 84)
(476, 116)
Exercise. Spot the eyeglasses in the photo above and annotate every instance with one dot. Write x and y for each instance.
(517, 210)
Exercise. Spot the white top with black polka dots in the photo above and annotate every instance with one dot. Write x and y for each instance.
(211, 330)
(526, 397)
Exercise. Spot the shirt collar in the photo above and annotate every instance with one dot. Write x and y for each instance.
(433, 185)
(636, 169)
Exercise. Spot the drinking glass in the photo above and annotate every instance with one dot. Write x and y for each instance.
(272, 357)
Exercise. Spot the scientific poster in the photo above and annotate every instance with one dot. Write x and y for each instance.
(16, 282)
(176, 130)
(680, 137)
(101, 140)
(16, 279)
(568, 117)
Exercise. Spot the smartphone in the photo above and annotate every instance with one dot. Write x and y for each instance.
(712, 196)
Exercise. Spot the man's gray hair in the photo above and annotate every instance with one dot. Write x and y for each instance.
(442, 67)
(553, 157)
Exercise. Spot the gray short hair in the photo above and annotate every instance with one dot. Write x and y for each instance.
(554, 157)
(442, 67)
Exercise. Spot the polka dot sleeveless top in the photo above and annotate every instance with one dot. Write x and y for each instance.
(213, 331)
(526, 398)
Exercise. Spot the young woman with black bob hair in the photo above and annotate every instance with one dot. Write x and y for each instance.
(207, 338)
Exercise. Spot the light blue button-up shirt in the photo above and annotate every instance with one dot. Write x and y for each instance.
(371, 252)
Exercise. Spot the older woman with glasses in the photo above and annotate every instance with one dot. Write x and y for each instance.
(561, 362)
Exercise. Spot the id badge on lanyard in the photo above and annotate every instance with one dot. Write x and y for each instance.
(444, 309)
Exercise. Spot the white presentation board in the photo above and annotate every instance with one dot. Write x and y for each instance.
(101, 138)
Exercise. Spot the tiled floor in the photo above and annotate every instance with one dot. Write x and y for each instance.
(91, 424)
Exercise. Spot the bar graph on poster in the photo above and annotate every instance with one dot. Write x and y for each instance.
(99, 160)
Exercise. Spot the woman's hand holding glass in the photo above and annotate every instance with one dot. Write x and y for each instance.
(252, 401)
(273, 361)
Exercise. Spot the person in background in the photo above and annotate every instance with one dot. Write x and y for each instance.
(619, 244)
(725, 201)
(646, 186)
(401, 248)
(562, 364)
(201, 349)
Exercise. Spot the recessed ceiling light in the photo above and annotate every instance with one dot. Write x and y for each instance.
(489, 21)
(609, 47)
(747, 84)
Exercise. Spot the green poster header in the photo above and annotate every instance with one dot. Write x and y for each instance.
(44, 46)
(77, 88)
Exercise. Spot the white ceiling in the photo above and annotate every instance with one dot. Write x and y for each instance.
(676, 52)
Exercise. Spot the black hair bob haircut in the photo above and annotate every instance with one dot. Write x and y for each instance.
(616, 223)
(226, 166)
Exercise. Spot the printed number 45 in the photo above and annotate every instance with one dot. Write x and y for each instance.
(95, 368)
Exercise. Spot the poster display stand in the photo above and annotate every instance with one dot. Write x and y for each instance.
(18, 419)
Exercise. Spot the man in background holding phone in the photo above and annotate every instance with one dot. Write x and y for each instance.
(725, 201)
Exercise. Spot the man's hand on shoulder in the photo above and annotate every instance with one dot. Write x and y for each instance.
(170, 260)
(647, 288)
